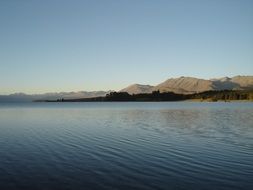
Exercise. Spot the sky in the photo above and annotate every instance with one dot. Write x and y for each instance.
(76, 45)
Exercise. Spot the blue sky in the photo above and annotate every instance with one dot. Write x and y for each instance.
(73, 45)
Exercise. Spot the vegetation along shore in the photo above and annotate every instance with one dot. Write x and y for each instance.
(156, 96)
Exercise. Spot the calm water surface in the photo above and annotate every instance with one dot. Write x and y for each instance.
(126, 146)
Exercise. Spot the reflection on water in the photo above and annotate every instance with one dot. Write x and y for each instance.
(126, 146)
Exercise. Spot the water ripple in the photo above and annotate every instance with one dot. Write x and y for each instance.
(126, 146)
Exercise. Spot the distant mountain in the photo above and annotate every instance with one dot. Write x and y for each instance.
(73, 95)
(243, 81)
(234, 83)
(21, 97)
(181, 85)
(137, 89)
(190, 85)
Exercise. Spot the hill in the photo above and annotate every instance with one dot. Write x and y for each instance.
(137, 89)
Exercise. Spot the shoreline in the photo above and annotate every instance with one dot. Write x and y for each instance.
(189, 100)
(209, 100)
(156, 96)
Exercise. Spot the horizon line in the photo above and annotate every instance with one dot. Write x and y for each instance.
(115, 90)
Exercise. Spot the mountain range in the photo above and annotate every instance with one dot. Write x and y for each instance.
(190, 85)
(21, 97)
(181, 85)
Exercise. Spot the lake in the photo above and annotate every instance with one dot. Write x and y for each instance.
(131, 145)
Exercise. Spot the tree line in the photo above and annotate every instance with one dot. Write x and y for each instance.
(223, 95)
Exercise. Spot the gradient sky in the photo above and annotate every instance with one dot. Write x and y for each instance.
(73, 45)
